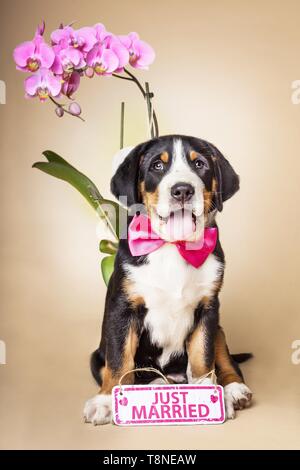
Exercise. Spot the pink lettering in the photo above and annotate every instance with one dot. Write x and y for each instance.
(203, 411)
(176, 411)
(165, 411)
(184, 396)
(193, 411)
(139, 414)
(175, 398)
(153, 413)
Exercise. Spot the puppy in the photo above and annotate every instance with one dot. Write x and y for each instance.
(161, 310)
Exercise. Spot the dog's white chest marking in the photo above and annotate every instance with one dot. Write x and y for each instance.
(172, 289)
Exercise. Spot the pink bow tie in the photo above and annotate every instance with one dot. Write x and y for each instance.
(142, 240)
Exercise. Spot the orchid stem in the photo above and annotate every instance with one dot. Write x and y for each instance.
(150, 110)
(122, 125)
(144, 93)
(121, 76)
(137, 82)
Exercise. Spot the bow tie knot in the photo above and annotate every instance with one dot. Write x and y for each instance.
(142, 240)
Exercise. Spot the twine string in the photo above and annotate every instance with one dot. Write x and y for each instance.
(211, 374)
(141, 369)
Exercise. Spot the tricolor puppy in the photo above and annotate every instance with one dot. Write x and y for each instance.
(162, 307)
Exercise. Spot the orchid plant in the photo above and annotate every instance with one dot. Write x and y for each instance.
(56, 70)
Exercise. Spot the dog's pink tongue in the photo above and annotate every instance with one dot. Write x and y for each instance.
(180, 225)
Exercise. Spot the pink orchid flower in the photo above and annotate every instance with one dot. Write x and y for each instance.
(71, 84)
(104, 61)
(31, 55)
(141, 54)
(66, 60)
(110, 41)
(101, 33)
(41, 29)
(120, 51)
(83, 39)
(42, 84)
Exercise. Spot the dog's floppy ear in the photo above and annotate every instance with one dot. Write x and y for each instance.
(125, 180)
(227, 180)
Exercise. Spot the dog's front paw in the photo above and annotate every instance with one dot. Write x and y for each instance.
(237, 396)
(97, 410)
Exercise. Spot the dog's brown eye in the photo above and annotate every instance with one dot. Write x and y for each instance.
(199, 164)
(158, 165)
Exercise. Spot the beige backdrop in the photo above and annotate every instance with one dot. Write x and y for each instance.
(223, 72)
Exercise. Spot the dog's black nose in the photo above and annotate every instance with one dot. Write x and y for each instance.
(182, 192)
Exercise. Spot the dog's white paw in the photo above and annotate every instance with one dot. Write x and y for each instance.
(237, 396)
(97, 410)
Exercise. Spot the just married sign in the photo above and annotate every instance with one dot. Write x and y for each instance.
(168, 404)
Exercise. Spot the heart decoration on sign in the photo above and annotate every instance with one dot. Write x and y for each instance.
(213, 398)
(123, 401)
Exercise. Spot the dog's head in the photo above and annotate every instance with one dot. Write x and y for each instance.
(181, 181)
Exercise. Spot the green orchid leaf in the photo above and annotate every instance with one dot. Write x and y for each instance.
(109, 247)
(74, 177)
(107, 267)
(54, 157)
(109, 211)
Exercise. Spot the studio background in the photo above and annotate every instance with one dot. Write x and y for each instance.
(223, 72)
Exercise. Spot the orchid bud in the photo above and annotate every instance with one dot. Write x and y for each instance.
(89, 72)
(75, 109)
(59, 111)
(41, 29)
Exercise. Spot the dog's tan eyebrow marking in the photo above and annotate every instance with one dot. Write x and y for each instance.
(164, 157)
(193, 155)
